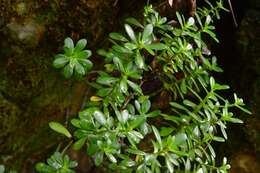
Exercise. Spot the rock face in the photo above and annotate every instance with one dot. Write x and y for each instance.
(247, 42)
(32, 93)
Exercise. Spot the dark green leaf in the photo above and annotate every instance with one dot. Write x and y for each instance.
(68, 42)
(165, 131)
(99, 158)
(60, 61)
(111, 158)
(43, 168)
(117, 36)
(121, 49)
(2, 168)
(145, 107)
(60, 129)
(104, 92)
(81, 44)
(133, 21)
(183, 87)
(79, 68)
(157, 46)
(148, 30)
(157, 135)
(106, 80)
(135, 75)
(139, 60)
(149, 49)
(92, 148)
(134, 86)
(123, 85)
(75, 123)
(130, 46)
(180, 139)
(100, 117)
(86, 63)
(218, 139)
(84, 54)
(189, 103)
(130, 32)
(235, 120)
(68, 71)
(78, 145)
(137, 122)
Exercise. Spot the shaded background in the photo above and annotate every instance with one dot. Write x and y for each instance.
(32, 93)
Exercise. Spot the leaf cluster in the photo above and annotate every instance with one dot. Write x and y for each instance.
(121, 129)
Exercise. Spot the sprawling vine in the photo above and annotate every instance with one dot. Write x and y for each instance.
(121, 127)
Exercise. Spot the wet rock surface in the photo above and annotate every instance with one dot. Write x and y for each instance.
(239, 54)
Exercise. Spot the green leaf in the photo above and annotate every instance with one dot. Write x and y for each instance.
(81, 44)
(189, 103)
(135, 75)
(179, 19)
(145, 107)
(43, 168)
(117, 36)
(121, 49)
(67, 71)
(106, 80)
(92, 148)
(220, 87)
(130, 46)
(148, 30)
(130, 32)
(133, 21)
(180, 139)
(57, 127)
(139, 60)
(179, 106)
(119, 64)
(125, 116)
(2, 168)
(123, 85)
(134, 136)
(79, 68)
(157, 46)
(137, 122)
(104, 92)
(73, 164)
(99, 158)
(157, 135)
(149, 49)
(68, 42)
(235, 120)
(169, 166)
(60, 61)
(100, 117)
(134, 86)
(128, 163)
(111, 158)
(86, 63)
(183, 87)
(166, 131)
(135, 151)
(68, 52)
(244, 109)
(218, 139)
(75, 123)
(78, 145)
(84, 54)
